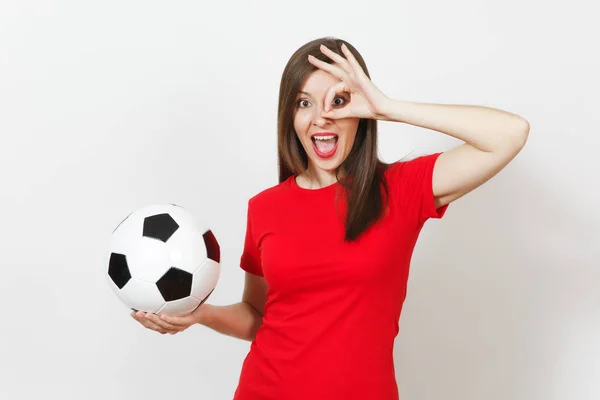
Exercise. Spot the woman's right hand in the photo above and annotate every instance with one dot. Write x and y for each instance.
(170, 324)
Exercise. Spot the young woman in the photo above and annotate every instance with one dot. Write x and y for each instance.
(327, 250)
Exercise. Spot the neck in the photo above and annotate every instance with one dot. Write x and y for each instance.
(316, 178)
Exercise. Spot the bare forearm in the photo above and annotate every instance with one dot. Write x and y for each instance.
(487, 129)
(238, 320)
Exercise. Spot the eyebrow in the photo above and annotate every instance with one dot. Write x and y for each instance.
(306, 93)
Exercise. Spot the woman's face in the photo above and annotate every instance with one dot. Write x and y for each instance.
(327, 142)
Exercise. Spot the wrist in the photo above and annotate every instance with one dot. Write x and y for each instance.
(386, 111)
(202, 314)
(391, 110)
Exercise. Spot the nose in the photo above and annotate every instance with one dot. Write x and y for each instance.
(318, 118)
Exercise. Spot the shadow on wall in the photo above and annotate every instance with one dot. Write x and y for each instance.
(500, 298)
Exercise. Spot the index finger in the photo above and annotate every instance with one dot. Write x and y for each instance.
(339, 87)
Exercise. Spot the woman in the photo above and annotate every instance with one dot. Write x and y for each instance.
(327, 250)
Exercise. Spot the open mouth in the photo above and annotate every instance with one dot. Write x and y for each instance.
(325, 145)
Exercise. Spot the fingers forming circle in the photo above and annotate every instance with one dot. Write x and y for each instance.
(331, 92)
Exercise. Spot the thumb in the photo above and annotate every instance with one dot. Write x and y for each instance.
(177, 320)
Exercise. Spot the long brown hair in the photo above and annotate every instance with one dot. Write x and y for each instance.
(362, 170)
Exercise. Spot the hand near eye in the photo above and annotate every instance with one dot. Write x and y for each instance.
(366, 100)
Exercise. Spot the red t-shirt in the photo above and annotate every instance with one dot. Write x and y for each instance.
(332, 308)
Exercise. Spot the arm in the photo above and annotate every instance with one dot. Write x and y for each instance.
(492, 139)
(240, 320)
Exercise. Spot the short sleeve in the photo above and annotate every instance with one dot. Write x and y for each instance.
(250, 259)
(412, 182)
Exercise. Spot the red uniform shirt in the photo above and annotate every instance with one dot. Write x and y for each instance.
(332, 308)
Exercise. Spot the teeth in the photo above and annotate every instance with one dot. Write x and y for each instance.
(324, 137)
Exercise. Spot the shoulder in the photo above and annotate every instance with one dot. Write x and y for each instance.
(270, 197)
(411, 168)
(411, 185)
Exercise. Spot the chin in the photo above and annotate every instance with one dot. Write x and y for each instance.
(328, 165)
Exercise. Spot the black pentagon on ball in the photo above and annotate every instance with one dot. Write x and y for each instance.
(160, 226)
(175, 284)
(118, 270)
(213, 250)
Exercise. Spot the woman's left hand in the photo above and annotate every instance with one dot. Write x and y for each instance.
(366, 100)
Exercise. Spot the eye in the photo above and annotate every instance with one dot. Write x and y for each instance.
(343, 101)
(299, 103)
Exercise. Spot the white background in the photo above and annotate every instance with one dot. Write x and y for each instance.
(109, 106)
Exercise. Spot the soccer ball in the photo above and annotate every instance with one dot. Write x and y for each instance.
(163, 260)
